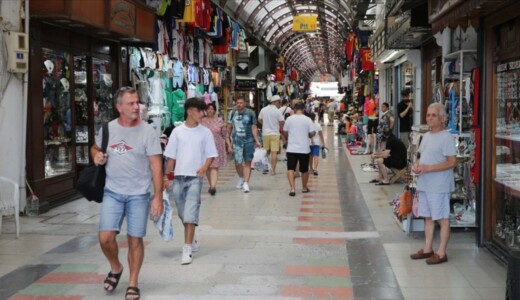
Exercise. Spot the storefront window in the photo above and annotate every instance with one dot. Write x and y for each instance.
(81, 104)
(56, 112)
(507, 154)
(102, 84)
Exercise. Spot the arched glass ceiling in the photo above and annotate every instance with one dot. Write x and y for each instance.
(271, 22)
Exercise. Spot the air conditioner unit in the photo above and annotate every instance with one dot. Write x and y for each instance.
(17, 52)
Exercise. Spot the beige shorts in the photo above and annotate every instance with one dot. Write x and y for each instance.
(271, 142)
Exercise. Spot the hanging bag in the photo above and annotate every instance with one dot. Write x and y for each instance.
(91, 181)
(405, 203)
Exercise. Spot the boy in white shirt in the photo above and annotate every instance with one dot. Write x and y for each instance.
(317, 142)
(190, 150)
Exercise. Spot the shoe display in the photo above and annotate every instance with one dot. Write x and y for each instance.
(245, 187)
(240, 183)
(187, 257)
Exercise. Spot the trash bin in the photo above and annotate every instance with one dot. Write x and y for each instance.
(513, 277)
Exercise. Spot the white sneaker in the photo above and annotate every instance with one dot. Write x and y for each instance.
(245, 187)
(195, 245)
(187, 257)
(240, 183)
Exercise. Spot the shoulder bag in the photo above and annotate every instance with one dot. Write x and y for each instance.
(91, 181)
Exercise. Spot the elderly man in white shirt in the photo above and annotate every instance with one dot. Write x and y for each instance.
(271, 119)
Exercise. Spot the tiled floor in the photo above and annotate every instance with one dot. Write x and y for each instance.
(339, 241)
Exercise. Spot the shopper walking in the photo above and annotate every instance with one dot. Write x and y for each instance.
(220, 135)
(271, 120)
(244, 134)
(405, 110)
(317, 144)
(331, 108)
(133, 161)
(190, 152)
(435, 183)
(298, 129)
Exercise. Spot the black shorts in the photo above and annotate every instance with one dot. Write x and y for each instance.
(294, 158)
(394, 164)
(372, 125)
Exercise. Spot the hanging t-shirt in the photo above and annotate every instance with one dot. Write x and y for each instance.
(190, 147)
(366, 59)
(177, 8)
(189, 12)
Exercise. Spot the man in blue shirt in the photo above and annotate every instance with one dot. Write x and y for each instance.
(243, 131)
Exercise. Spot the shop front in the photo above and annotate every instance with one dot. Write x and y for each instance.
(77, 58)
(501, 133)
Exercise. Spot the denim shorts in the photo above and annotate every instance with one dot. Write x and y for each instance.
(186, 192)
(244, 152)
(116, 207)
(315, 150)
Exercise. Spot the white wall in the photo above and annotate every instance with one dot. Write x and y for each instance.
(415, 57)
(11, 110)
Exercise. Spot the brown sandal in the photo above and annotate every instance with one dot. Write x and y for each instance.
(421, 255)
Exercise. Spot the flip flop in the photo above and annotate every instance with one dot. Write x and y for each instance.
(383, 183)
(374, 181)
(112, 283)
(306, 191)
(292, 194)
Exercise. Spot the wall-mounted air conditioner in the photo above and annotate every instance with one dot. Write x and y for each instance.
(17, 52)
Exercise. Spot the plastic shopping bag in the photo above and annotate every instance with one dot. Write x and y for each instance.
(165, 222)
(260, 160)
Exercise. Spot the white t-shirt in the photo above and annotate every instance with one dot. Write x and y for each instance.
(298, 127)
(316, 138)
(316, 103)
(285, 110)
(190, 147)
(271, 118)
(331, 106)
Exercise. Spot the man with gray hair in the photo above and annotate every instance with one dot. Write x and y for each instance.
(435, 184)
(133, 161)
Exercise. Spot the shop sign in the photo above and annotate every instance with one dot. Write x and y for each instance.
(122, 16)
(305, 23)
(513, 65)
(245, 84)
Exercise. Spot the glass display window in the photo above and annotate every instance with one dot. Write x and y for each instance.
(57, 129)
(507, 155)
(103, 104)
(82, 111)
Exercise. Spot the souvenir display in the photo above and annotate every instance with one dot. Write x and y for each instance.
(56, 112)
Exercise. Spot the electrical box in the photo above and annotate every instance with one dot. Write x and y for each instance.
(17, 52)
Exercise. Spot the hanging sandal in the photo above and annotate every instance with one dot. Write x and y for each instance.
(132, 293)
(111, 283)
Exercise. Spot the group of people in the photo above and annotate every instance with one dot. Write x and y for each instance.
(137, 173)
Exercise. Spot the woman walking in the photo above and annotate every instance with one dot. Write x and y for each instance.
(218, 128)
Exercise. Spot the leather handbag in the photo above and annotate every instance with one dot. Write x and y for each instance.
(91, 181)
